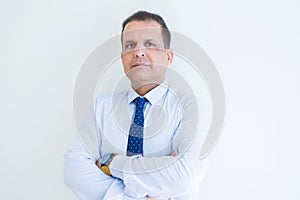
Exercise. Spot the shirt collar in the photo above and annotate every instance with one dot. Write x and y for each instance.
(152, 96)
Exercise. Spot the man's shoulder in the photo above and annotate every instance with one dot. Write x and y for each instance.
(105, 99)
(181, 94)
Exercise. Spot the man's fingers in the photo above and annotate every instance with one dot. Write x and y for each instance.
(175, 153)
(98, 162)
(149, 198)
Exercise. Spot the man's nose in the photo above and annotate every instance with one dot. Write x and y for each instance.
(140, 52)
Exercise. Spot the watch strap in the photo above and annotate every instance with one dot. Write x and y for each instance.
(105, 166)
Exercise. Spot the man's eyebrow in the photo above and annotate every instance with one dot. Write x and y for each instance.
(152, 40)
(129, 41)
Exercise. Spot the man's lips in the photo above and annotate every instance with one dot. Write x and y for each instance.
(138, 64)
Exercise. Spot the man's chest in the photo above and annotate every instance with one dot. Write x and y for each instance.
(159, 129)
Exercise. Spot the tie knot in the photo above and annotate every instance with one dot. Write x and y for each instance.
(140, 102)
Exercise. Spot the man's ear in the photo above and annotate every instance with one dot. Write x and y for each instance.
(122, 57)
(170, 55)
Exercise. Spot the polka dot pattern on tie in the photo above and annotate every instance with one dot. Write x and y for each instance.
(135, 138)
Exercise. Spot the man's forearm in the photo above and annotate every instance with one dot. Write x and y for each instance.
(84, 178)
(163, 177)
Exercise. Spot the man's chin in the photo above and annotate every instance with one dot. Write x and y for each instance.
(138, 83)
(138, 76)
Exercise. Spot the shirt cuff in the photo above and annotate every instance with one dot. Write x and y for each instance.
(132, 198)
(116, 166)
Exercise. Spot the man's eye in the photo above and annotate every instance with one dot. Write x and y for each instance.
(129, 46)
(149, 44)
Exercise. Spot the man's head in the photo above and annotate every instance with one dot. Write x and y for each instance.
(146, 52)
(146, 16)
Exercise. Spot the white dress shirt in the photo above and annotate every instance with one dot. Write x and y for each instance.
(174, 120)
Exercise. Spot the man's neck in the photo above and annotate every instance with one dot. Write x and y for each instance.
(145, 88)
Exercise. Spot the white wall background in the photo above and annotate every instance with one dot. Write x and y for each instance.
(254, 44)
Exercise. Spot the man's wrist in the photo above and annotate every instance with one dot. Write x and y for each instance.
(104, 162)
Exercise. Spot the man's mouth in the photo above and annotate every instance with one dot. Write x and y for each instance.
(140, 64)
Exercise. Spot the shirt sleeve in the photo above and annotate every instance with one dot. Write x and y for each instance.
(86, 180)
(167, 176)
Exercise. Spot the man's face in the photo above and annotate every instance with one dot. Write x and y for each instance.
(144, 57)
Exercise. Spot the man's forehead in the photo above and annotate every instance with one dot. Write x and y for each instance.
(142, 32)
(135, 25)
(145, 34)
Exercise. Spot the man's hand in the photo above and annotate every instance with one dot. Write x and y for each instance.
(175, 153)
(149, 198)
(98, 162)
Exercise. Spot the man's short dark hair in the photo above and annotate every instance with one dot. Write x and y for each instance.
(146, 16)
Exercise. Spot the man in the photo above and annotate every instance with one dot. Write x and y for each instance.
(149, 137)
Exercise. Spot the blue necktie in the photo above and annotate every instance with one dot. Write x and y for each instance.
(135, 138)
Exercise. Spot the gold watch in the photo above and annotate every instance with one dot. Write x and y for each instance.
(105, 162)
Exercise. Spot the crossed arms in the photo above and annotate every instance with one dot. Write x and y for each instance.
(140, 177)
